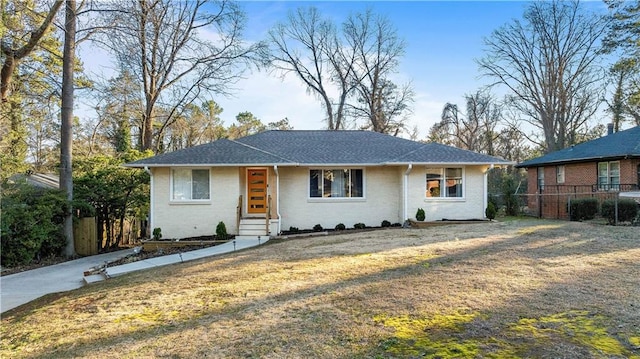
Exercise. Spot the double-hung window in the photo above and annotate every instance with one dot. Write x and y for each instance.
(609, 176)
(190, 185)
(336, 183)
(444, 182)
(559, 174)
(540, 177)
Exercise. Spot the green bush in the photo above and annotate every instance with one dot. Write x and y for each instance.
(420, 215)
(627, 210)
(317, 228)
(340, 227)
(31, 223)
(221, 231)
(294, 230)
(157, 233)
(385, 223)
(359, 226)
(490, 212)
(583, 209)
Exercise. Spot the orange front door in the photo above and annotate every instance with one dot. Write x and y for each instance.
(257, 191)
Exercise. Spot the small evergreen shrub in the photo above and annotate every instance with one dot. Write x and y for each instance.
(490, 212)
(420, 215)
(340, 227)
(157, 233)
(317, 228)
(294, 230)
(359, 226)
(397, 224)
(221, 231)
(627, 210)
(583, 209)
(385, 223)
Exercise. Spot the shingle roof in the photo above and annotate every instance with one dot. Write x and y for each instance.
(614, 146)
(317, 148)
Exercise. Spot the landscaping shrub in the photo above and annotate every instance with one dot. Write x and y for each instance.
(157, 234)
(490, 212)
(385, 223)
(293, 230)
(420, 215)
(583, 209)
(627, 210)
(221, 231)
(31, 223)
(359, 226)
(317, 228)
(340, 227)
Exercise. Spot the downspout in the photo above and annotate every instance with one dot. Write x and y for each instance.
(151, 201)
(275, 170)
(405, 193)
(485, 201)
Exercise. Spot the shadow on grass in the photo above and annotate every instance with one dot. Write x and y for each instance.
(534, 242)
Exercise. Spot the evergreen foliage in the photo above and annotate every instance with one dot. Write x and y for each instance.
(627, 210)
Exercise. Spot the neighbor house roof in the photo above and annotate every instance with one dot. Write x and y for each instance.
(622, 144)
(295, 148)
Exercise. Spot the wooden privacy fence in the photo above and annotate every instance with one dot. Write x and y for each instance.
(85, 236)
(87, 241)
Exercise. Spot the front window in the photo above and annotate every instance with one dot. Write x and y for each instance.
(444, 182)
(560, 174)
(609, 176)
(336, 183)
(190, 184)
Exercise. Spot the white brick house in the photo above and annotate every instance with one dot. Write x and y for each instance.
(303, 178)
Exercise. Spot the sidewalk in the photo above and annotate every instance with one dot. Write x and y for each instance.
(20, 288)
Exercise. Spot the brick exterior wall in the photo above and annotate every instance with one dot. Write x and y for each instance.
(578, 176)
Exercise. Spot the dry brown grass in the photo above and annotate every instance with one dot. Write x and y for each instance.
(523, 288)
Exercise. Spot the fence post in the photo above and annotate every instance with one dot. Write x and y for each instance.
(569, 207)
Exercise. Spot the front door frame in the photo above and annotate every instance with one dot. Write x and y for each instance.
(259, 211)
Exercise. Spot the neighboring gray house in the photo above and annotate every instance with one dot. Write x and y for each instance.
(268, 182)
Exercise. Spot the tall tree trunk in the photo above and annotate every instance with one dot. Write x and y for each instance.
(66, 131)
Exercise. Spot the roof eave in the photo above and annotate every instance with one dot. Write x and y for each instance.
(576, 160)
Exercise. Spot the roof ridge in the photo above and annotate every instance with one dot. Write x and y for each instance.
(261, 150)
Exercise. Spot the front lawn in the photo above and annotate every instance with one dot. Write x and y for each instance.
(523, 288)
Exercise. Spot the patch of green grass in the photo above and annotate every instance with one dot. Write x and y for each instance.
(579, 327)
(421, 336)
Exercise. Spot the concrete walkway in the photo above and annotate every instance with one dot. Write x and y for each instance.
(20, 288)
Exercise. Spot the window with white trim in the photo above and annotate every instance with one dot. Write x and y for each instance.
(609, 176)
(336, 183)
(540, 177)
(190, 184)
(444, 182)
(559, 174)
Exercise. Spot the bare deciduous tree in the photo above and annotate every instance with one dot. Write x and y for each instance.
(179, 51)
(549, 64)
(475, 130)
(308, 46)
(348, 70)
(378, 50)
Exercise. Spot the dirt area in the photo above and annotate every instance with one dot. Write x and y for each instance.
(521, 288)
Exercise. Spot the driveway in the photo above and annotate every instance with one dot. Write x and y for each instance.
(20, 288)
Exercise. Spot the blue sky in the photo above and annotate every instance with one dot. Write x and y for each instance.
(443, 40)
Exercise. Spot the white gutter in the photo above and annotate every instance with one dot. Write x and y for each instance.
(275, 170)
(405, 191)
(151, 201)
